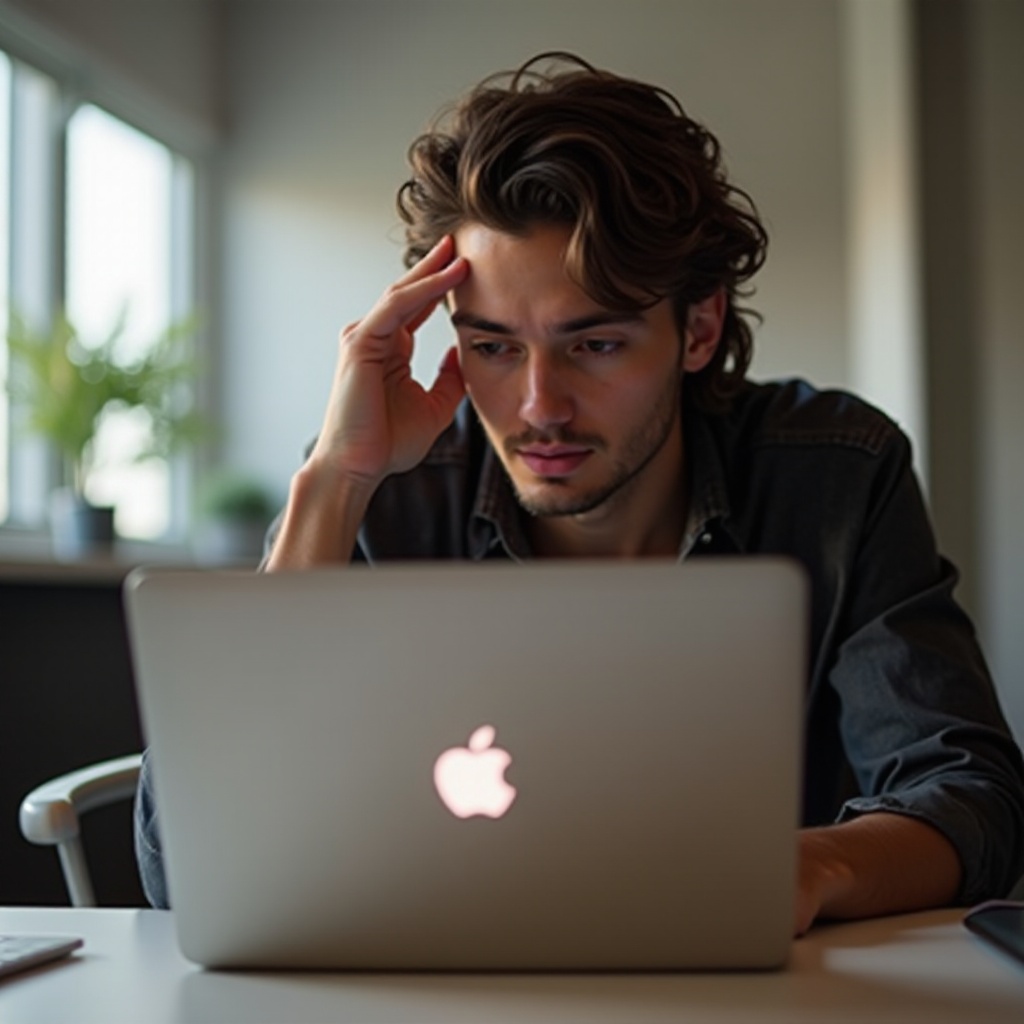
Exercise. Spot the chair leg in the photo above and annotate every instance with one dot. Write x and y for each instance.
(76, 874)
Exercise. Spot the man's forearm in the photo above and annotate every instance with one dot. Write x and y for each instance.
(320, 522)
(877, 864)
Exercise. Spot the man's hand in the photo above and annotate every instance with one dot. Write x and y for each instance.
(873, 865)
(379, 420)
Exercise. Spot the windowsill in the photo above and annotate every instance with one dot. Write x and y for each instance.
(27, 556)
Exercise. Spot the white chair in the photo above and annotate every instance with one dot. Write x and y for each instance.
(50, 815)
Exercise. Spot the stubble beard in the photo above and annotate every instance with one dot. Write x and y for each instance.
(639, 451)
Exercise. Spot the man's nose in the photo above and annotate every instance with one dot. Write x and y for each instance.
(547, 400)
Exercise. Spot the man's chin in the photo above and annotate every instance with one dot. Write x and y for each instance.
(558, 499)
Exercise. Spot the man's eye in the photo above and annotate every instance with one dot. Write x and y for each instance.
(490, 349)
(601, 346)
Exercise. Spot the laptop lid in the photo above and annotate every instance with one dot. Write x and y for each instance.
(451, 766)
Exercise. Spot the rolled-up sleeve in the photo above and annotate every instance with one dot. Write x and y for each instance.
(920, 720)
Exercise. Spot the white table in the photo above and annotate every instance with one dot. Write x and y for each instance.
(921, 967)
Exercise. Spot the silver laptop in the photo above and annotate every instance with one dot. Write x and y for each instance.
(471, 767)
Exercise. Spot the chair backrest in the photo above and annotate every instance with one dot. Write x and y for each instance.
(50, 815)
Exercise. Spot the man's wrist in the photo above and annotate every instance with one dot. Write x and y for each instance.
(826, 873)
(322, 518)
(319, 482)
(878, 863)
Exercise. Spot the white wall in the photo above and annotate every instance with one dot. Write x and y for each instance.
(159, 58)
(324, 99)
(881, 170)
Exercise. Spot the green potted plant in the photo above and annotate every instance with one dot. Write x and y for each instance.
(233, 513)
(62, 387)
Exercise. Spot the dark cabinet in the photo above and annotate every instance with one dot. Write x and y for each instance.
(66, 700)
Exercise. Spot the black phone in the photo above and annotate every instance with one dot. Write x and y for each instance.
(1001, 923)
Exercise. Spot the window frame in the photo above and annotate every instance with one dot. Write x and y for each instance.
(40, 219)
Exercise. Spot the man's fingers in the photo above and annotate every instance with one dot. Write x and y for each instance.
(447, 389)
(438, 257)
(436, 260)
(421, 317)
(410, 303)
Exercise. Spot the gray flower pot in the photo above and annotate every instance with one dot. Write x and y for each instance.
(79, 530)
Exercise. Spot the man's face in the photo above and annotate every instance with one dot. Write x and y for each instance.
(581, 403)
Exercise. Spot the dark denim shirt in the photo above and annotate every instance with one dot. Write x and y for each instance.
(901, 714)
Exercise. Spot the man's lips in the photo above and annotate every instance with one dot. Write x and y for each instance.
(554, 460)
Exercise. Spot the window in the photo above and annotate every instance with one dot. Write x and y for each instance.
(100, 225)
(120, 217)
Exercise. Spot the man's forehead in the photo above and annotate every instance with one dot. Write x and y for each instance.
(519, 283)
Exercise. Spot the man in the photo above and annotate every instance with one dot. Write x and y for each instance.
(581, 233)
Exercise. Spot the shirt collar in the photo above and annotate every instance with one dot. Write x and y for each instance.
(495, 526)
(708, 496)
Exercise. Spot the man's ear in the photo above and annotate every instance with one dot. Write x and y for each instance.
(703, 332)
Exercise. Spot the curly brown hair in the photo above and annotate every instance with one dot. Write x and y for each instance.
(640, 185)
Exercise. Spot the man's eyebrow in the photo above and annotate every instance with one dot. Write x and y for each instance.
(463, 318)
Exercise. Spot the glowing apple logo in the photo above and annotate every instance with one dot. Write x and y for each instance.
(471, 780)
